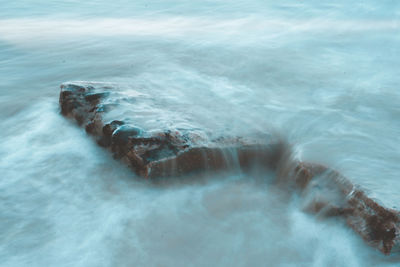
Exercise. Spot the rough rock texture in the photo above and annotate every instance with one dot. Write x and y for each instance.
(328, 193)
(121, 121)
(102, 110)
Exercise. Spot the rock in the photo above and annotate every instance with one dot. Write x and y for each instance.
(101, 110)
(124, 122)
(328, 193)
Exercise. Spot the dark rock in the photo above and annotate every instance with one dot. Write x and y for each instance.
(328, 193)
(167, 152)
(105, 112)
(95, 96)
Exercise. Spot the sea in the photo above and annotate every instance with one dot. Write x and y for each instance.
(323, 75)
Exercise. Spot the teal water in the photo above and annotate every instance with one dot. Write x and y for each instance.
(324, 75)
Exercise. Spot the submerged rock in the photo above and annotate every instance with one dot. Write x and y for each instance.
(124, 121)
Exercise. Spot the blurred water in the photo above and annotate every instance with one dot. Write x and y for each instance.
(323, 74)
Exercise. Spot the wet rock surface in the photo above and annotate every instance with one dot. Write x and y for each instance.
(102, 109)
(123, 122)
(328, 193)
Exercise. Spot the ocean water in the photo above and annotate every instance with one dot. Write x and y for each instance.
(323, 75)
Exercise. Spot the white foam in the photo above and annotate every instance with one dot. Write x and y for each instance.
(44, 29)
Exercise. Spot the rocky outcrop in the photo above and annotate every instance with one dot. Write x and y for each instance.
(327, 193)
(120, 121)
(156, 153)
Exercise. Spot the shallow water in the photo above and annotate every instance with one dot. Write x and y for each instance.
(325, 76)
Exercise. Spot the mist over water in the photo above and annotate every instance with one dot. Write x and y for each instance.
(323, 75)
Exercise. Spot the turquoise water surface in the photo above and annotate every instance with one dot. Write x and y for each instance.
(325, 75)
